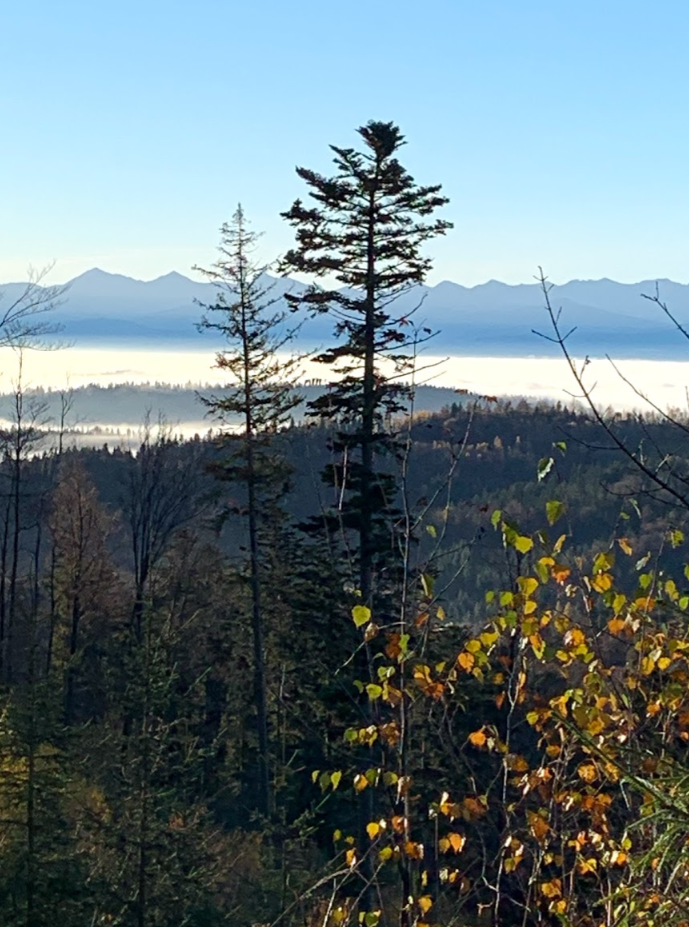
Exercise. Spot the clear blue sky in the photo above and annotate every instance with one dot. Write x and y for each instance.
(559, 129)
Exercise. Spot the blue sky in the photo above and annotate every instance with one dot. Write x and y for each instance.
(559, 129)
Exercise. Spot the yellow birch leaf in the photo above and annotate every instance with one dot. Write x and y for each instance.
(425, 903)
(602, 582)
(361, 614)
(587, 772)
(360, 782)
(523, 544)
(527, 585)
(552, 889)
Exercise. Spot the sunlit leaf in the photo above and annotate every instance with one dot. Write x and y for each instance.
(425, 903)
(466, 661)
(523, 544)
(361, 615)
(527, 585)
(478, 738)
(545, 465)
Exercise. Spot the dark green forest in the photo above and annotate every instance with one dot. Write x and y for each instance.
(378, 666)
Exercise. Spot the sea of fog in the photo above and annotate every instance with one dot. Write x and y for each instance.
(665, 382)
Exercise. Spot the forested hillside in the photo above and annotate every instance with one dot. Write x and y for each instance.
(380, 667)
(129, 731)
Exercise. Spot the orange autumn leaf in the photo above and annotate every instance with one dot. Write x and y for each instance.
(616, 625)
(602, 582)
(397, 822)
(587, 772)
(552, 889)
(413, 850)
(392, 648)
(466, 661)
(478, 738)
(472, 808)
(425, 903)
(560, 573)
(575, 637)
(457, 842)
(539, 826)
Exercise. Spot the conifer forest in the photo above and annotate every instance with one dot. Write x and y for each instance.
(372, 668)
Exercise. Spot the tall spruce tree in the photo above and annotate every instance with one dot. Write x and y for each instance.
(258, 400)
(366, 231)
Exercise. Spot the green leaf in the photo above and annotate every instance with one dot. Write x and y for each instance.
(553, 510)
(604, 561)
(431, 530)
(495, 518)
(428, 584)
(373, 691)
(645, 580)
(640, 564)
(561, 446)
(542, 570)
(676, 537)
(618, 602)
(545, 465)
(361, 615)
(335, 779)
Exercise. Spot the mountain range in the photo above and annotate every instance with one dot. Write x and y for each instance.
(493, 318)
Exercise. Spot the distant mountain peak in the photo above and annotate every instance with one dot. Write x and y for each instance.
(172, 277)
(96, 273)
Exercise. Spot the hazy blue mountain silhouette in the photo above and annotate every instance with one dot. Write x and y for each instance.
(492, 318)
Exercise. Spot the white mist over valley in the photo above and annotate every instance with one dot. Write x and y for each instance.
(139, 339)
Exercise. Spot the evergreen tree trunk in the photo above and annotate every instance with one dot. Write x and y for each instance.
(265, 797)
(368, 413)
(261, 396)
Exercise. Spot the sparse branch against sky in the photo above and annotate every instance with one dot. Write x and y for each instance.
(557, 129)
